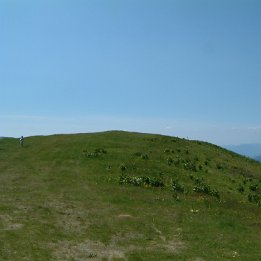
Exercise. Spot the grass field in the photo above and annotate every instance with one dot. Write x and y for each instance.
(127, 196)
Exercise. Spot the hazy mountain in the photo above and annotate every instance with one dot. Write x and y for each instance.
(258, 158)
(250, 150)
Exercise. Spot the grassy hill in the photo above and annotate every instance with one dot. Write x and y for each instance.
(127, 196)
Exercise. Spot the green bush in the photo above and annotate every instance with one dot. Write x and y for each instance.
(100, 150)
(140, 181)
(240, 188)
(254, 198)
(176, 186)
(177, 161)
(145, 156)
(200, 187)
(170, 161)
(189, 165)
(95, 154)
(220, 166)
(123, 167)
(198, 180)
(253, 187)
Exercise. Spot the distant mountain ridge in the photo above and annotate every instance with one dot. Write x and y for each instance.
(258, 158)
(251, 150)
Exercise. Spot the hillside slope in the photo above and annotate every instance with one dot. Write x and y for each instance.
(127, 196)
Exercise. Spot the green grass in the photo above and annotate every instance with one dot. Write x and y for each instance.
(60, 199)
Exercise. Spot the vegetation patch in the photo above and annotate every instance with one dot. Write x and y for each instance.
(94, 154)
(254, 198)
(201, 187)
(177, 187)
(143, 181)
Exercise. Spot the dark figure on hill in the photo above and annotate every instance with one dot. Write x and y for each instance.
(22, 141)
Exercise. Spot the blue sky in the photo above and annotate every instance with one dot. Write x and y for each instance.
(178, 67)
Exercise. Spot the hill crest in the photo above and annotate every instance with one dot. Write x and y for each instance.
(130, 196)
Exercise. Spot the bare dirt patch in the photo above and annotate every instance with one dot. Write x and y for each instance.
(69, 217)
(172, 245)
(14, 226)
(119, 247)
(87, 249)
(124, 216)
(8, 223)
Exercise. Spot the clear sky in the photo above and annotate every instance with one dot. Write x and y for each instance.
(188, 68)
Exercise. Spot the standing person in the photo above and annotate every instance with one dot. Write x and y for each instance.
(22, 141)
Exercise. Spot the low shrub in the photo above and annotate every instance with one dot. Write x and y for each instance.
(220, 166)
(197, 180)
(123, 167)
(176, 186)
(95, 154)
(101, 151)
(189, 165)
(170, 161)
(144, 156)
(240, 188)
(177, 161)
(201, 187)
(140, 181)
(108, 167)
(254, 198)
(253, 187)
